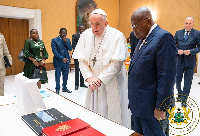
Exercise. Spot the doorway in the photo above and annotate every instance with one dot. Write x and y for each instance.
(15, 31)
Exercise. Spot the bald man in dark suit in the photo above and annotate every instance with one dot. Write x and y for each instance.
(151, 75)
(188, 44)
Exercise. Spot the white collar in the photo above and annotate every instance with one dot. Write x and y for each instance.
(188, 31)
(154, 26)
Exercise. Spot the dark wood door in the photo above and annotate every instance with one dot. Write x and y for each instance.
(15, 31)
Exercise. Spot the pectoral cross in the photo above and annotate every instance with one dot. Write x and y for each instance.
(94, 60)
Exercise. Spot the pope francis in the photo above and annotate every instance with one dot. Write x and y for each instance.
(101, 51)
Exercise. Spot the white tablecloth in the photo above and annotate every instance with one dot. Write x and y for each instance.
(11, 123)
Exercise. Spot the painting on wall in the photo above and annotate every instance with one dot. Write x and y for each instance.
(84, 9)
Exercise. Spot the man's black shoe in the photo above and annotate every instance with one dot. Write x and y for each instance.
(57, 92)
(66, 90)
(84, 86)
(76, 87)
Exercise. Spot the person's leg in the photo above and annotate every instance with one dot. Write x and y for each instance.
(82, 84)
(188, 77)
(132, 123)
(2, 80)
(57, 77)
(137, 127)
(179, 76)
(81, 80)
(76, 74)
(152, 127)
(165, 124)
(65, 72)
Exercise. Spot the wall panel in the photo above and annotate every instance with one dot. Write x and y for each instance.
(56, 14)
(169, 14)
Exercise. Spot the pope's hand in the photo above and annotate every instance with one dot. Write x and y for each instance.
(94, 83)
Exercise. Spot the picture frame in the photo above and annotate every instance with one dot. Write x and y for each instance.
(83, 10)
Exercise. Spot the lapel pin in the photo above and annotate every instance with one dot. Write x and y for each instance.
(145, 43)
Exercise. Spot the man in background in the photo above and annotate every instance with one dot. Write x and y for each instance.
(3, 52)
(60, 47)
(151, 75)
(75, 38)
(188, 44)
(133, 41)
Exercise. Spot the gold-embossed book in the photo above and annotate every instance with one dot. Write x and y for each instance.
(42, 119)
(66, 128)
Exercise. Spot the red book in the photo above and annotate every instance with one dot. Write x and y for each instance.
(65, 128)
(88, 132)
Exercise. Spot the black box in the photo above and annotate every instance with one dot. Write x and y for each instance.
(42, 119)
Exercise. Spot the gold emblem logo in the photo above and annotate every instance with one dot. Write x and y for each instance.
(178, 115)
(182, 118)
(63, 128)
(36, 121)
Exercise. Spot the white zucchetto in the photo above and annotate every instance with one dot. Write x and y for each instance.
(99, 11)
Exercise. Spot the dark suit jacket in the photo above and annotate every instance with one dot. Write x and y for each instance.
(152, 73)
(190, 44)
(133, 41)
(75, 38)
(60, 50)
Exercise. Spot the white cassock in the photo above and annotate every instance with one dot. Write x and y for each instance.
(111, 99)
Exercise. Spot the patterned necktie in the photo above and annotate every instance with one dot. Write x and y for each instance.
(186, 35)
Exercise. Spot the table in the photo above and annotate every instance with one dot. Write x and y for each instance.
(11, 123)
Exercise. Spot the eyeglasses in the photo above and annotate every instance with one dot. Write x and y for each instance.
(135, 26)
